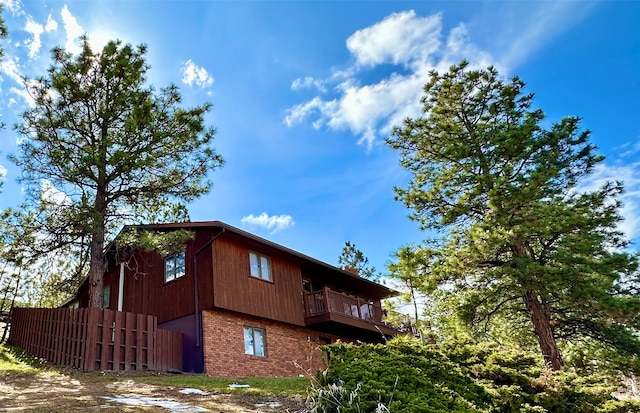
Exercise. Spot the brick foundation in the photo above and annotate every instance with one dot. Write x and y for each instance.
(290, 350)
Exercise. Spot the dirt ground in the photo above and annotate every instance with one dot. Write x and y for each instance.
(85, 392)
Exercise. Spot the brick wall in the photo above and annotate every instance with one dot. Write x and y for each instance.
(290, 350)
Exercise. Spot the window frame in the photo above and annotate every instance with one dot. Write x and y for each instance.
(175, 273)
(259, 260)
(263, 333)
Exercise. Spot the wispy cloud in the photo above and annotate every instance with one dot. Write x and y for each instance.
(527, 28)
(629, 174)
(72, 29)
(413, 46)
(14, 6)
(36, 30)
(272, 223)
(34, 44)
(51, 25)
(194, 74)
(403, 48)
(307, 82)
(9, 66)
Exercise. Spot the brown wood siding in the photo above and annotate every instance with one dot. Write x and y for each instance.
(146, 292)
(235, 289)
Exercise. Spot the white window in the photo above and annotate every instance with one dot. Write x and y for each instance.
(260, 266)
(254, 343)
(174, 267)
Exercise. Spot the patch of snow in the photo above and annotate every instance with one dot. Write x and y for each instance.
(238, 386)
(194, 391)
(170, 405)
(273, 405)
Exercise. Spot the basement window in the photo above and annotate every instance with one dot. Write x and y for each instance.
(260, 266)
(174, 267)
(254, 343)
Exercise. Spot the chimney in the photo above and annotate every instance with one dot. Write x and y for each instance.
(351, 270)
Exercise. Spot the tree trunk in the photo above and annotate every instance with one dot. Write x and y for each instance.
(539, 316)
(96, 263)
(543, 329)
(13, 303)
(96, 271)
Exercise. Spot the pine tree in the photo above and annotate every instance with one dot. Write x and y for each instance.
(352, 257)
(101, 148)
(521, 237)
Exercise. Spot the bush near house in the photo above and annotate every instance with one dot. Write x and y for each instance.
(407, 376)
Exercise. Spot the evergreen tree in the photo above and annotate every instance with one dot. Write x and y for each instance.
(522, 238)
(101, 148)
(352, 257)
(412, 268)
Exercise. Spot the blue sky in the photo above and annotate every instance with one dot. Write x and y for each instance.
(305, 92)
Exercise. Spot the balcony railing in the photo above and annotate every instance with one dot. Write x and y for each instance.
(329, 301)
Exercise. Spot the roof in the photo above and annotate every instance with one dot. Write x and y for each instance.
(332, 273)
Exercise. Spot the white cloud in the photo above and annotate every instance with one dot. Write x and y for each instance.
(3, 172)
(34, 44)
(36, 30)
(51, 25)
(308, 82)
(530, 26)
(13, 6)
(194, 74)
(271, 223)
(414, 46)
(72, 29)
(24, 94)
(629, 174)
(400, 38)
(9, 67)
(52, 195)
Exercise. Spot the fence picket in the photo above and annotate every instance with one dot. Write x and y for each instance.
(90, 339)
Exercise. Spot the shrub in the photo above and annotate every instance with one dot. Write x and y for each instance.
(405, 375)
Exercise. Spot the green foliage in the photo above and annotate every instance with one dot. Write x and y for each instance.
(354, 258)
(407, 376)
(101, 149)
(3, 31)
(521, 242)
(412, 269)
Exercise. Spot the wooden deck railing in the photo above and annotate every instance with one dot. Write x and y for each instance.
(329, 301)
(92, 339)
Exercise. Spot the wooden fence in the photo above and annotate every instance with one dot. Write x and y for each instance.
(92, 339)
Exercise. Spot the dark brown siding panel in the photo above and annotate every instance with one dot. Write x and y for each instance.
(234, 288)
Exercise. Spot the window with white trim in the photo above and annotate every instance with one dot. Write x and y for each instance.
(174, 267)
(260, 266)
(254, 341)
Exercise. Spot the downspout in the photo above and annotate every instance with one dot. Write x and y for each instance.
(195, 282)
(121, 287)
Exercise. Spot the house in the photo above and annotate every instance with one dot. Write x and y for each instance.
(246, 306)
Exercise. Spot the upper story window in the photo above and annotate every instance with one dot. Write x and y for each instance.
(260, 266)
(174, 267)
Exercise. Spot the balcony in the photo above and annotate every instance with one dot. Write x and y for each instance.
(330, 308)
